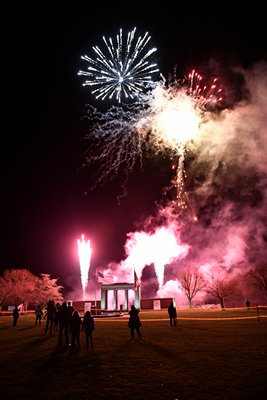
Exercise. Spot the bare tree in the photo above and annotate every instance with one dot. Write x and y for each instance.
(191, 283)
(221, 289)
(260, 278)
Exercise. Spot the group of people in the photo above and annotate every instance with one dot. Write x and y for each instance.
(69, 324)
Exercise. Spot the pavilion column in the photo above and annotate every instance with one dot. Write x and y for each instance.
(104, 299)
(126, 299)
(137, 297)
(115, 297)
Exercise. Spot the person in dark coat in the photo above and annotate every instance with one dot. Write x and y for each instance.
(88, 326)
(38, 314)
(15, 315)
(172, 314)
(63, 316)
(50, 316)
(75, 328)
(134, 322)
(56, 317)
(71, 311)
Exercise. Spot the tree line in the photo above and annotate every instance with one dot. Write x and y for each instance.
(237, 289)
(20, 286)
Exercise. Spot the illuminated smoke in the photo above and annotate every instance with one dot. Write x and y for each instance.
(159, 248)
(227, 180)
(85, 252)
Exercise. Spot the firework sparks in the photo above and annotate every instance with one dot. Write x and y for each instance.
(122, 68)
(85, 252)
(116, 144)
(228, 173)
(178, 110)
(167, 119)
(208, 95)
(175, 123)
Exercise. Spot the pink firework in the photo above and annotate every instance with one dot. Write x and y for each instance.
(85, 252)
(207, 95)
(159, 247)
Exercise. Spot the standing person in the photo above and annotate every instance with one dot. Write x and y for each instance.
(70, 310)
(50, 316)
(63, 316)
(134, 322)
(248, 304)
(70, 307)
(38, 314)
(56, 317)
(75, 328)
(172, 314)
(15, 315)
(88, 326)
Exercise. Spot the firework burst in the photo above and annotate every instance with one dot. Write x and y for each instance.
(122, 68)
(167, 119)
(178, 109)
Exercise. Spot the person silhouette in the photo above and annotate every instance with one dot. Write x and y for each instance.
(172, 314)
(15, 314)
(75, 328)
(38, 314)
(50, 316)
(134, 322)
(88, 326)
(64, 324)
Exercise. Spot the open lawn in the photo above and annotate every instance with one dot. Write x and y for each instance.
(210, 355)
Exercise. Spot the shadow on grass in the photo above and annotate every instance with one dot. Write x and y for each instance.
(16, 328)
(68, 359)
(141, 345)
(5, 328)
(36, 342)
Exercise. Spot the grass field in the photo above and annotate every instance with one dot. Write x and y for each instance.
(210, 355)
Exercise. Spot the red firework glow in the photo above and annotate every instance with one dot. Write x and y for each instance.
(206, 94)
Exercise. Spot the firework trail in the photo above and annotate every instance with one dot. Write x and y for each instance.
(122, 69)
(85, 252)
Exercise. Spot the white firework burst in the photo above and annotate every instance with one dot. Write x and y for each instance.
(122, 68)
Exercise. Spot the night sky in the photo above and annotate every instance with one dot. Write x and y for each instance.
(46, 203)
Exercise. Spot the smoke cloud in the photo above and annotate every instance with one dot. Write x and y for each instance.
(226, 188)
